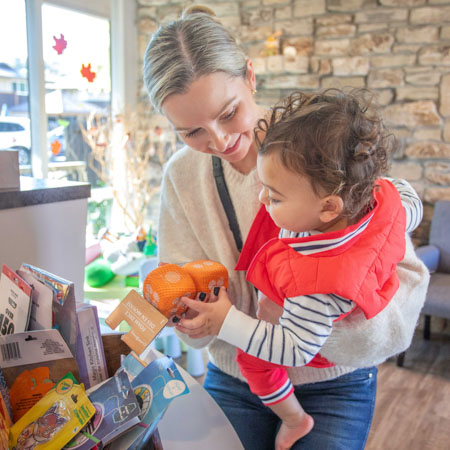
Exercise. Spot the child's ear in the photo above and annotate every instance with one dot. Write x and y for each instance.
(332, 206)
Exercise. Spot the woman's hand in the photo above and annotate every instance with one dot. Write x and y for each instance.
(210, 316)
(268, 310)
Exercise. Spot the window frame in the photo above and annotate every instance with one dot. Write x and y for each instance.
(123, 45)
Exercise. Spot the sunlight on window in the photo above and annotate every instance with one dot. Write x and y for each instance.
(14, 116)
(76, 48)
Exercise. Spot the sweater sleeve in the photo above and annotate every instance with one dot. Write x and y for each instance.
(411, 202)
(304, 326)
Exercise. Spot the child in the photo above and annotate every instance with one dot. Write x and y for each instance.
(342, 235)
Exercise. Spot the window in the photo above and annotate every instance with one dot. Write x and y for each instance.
(34, 78)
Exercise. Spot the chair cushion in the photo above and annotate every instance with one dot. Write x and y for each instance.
(437, 302)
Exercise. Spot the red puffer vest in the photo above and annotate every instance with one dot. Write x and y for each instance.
(363, 269)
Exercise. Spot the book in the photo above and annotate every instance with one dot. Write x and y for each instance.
(89, 354)
(156, 386)
(116, 411)
(63, 307)
(15, 302)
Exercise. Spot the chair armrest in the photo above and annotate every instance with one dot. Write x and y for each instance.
(429, 254)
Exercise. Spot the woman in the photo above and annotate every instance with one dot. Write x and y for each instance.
(202, 81)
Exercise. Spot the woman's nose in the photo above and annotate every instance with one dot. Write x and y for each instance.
(220, 140)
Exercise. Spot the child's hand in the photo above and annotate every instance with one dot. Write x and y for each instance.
(210, 316)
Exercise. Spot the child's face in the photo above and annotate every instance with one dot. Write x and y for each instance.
(288, 196)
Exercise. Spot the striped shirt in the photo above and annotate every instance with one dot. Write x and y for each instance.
(307, 320)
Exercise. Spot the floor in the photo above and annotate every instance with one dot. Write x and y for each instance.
(412, 410)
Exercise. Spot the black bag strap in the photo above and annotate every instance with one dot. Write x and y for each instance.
(226, 200)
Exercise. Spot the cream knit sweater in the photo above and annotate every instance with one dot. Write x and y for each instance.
(193, 225)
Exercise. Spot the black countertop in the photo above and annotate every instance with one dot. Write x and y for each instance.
(36, 191)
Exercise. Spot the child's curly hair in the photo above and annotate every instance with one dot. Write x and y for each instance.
(331, 138)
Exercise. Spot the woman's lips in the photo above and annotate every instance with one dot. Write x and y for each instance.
(234, 147)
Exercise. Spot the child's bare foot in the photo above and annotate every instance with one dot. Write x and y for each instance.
(290, 433)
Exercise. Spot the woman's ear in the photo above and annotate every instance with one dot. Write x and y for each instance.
(332, 207)
(251, 78)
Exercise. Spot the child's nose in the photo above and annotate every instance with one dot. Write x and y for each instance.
(263, 197)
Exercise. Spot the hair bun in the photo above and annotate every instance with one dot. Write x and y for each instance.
(197, 9)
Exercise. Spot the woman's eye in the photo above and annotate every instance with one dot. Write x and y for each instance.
(191, 133)
(230, 114)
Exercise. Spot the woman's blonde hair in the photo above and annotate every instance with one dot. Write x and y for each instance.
(180, 52)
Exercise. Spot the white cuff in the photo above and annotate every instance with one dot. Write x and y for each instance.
(237, 328)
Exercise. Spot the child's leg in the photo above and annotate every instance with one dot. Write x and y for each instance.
(296, 423)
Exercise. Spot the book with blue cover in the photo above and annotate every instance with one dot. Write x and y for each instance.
(116, 411)
(155, 387)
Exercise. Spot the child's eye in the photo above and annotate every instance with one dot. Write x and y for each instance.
(230, 114)
(274, 200)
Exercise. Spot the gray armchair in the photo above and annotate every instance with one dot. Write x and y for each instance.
(436, 256)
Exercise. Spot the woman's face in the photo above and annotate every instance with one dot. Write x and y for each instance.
(217, 115)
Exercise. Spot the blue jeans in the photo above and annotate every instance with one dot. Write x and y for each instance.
(342, 409)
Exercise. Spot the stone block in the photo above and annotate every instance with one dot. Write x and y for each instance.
(416, 93)
(298, 64)
(423, 77)
(274, 63)
(259, 64)
(355, 65)
(438, 172)
(282, 13)
(306, 8)
(372, 43)
(431, 14)
(433, 194)
(447, 131)
(412, 114)
(393, 60)
(222, 9)
(321, 66)
(332, 47)
(345, 5)
(336, 31)
(445, 33)
(303, 45)
(418, 34)
(333, 19)
(427, 134)
(384, 96)
(371, 27)
(291, 82)
(428, 150)
(445, 96)
(384, 15)
(438, 55)
(402, 2)
(147, 25)
(342, 82)
(410, 171)
(384, 78)
(405, 48)
(298, 27)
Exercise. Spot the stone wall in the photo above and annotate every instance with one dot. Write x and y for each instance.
(398, 48)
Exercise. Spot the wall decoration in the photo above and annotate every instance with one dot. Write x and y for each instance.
(87, 73)
(60, 44)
